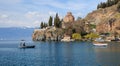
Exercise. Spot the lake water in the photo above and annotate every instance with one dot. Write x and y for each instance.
(59, 54)
(53, 53)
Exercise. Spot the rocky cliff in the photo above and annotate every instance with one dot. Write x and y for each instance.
(107, 20)
(48, 34)
(53, 33)
(56, 34)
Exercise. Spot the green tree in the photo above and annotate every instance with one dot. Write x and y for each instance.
(98, 6)
(57, 21)
(41, 26)
(45, 25)
(107, 4)
(116, 1)
(50, 21)
(92, 26)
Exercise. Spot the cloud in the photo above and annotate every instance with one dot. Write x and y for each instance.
(68, 5)
(52, 13)
(18, 13)
(10, 2)
(28, 19)
(36, 15)
(72, 5)
(78, 14)
(19, 23)
(2, 16)
(19, 20)
(32, 14)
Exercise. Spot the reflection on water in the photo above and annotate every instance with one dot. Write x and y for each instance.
(59, 54)
(109, 55)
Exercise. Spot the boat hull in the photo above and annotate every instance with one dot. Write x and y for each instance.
(100, 44)
(27, 46)
(105, 44)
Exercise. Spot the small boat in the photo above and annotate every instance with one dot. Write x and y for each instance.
(32, 46)
(99, 44)
(23, 45)
(103, 44)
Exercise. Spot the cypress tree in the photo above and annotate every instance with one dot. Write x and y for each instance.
(103, 5)
(50, 21)
(41, 26)
(98, 6)
(45, 25)
(57, 21)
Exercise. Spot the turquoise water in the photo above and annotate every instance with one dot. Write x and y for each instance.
(59, 54)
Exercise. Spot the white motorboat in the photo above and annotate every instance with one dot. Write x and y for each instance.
(99, 44)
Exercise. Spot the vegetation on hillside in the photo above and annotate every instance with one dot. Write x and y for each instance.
(43, 25)
(75, 27)
(91, 36)
(92, 26)
(76, 36)
(57, 21)
(50, 21)
(107, 4)
(118, 7)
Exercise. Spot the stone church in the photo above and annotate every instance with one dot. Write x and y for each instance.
(67, 19)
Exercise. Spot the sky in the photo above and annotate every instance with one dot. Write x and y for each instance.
(30, 13)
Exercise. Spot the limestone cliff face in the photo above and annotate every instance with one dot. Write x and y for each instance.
(106, 19)
(38, 35)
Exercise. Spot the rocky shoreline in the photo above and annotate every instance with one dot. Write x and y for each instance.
(48, 34)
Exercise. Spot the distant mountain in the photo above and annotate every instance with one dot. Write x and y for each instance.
(15, 33)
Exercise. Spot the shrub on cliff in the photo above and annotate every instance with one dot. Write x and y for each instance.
(91, 36)
(76, 36)
(118, 7)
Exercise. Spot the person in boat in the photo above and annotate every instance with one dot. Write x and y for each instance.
(24, 44)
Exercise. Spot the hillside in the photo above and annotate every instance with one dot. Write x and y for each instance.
(107, 20)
